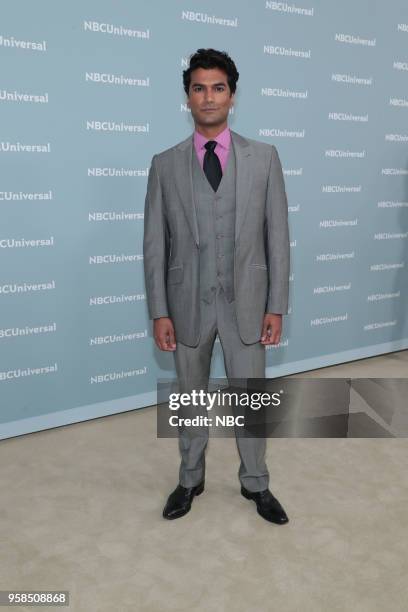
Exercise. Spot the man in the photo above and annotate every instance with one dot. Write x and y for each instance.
(216, 257)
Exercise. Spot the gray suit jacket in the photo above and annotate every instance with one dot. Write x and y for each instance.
(171, 247)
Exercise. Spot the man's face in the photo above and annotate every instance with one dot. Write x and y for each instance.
(209, 96)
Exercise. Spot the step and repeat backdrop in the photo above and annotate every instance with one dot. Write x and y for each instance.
(90, 91)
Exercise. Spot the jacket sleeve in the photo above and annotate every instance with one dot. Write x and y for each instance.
(278, 246)
(155, 242)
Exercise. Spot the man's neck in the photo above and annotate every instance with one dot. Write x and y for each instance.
(211, 132)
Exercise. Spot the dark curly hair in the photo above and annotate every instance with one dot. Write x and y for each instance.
(211, 58)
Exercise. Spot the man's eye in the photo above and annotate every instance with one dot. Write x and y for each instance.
(220, 88)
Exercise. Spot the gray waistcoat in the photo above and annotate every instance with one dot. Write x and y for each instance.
(216, 224)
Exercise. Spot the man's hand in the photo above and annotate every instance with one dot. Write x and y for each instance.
(271, 329)
(163, 332)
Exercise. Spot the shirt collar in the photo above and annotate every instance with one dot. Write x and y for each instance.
(223, 139)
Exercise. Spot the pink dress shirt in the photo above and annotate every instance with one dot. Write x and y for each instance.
(222, 149)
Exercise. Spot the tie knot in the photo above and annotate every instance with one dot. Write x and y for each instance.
(210, 145)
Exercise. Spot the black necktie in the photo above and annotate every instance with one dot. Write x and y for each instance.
(212, 165)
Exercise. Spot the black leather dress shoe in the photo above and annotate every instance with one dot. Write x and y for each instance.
(179, 502)
(267, 505)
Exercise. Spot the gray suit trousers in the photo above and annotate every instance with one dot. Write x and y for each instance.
(193, 368)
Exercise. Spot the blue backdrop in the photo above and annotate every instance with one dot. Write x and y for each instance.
(90, 91)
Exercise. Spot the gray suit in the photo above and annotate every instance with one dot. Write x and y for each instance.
(261, 239)
(215, 262)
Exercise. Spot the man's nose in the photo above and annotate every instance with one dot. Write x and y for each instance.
(209, 95)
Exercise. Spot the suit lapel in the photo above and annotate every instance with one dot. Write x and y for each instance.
(183, 176)
(243, 179)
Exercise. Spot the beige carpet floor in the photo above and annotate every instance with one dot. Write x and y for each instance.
(81, 511)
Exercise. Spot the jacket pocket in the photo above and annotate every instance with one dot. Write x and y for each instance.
(175, 274)
(255, 265)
